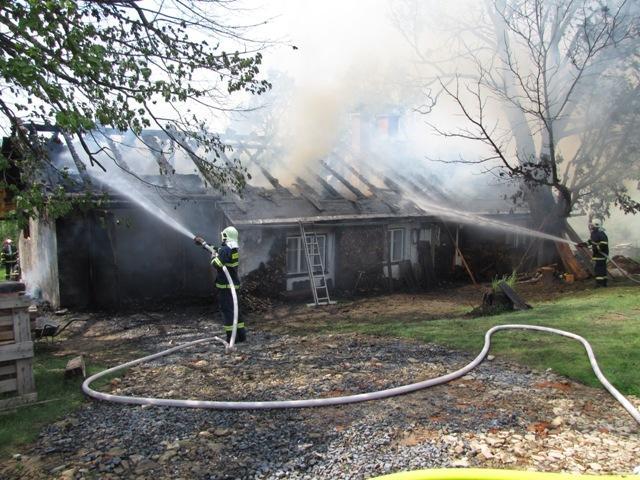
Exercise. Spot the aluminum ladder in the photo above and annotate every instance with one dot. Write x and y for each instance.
(315, 268)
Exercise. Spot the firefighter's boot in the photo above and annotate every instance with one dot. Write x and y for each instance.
(241, 335)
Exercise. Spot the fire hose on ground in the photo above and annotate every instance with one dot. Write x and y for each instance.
(440, 474)
(322, 402)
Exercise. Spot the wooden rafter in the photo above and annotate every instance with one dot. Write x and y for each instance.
(359, 195)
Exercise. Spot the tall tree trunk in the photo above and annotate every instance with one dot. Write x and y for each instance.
(548, 218)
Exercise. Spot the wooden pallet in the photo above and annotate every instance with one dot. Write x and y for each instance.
(17, 385)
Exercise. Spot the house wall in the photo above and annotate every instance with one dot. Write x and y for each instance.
(39, 261)
(124, 256)
(359, 249)
(73, 239)
(493, 253)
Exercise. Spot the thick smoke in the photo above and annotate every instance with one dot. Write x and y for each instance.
(388, 57)
(361, 66)
(354, 88)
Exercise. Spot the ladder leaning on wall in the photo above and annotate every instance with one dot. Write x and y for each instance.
(315, 267)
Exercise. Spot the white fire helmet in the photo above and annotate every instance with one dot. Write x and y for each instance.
(595, 223)
(229, 234)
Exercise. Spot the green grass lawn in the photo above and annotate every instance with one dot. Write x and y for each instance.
(608, 318)
(58, 396)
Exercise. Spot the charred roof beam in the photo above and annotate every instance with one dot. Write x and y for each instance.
(374, 190)
(306, 192)
(332, 191)
(272, 180)
(153, 144)
(359, 195)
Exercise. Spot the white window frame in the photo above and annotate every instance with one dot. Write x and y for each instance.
(392, 243)
(301, 260)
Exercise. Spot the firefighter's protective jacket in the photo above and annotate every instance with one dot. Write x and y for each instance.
(599, 243)
(229, 257)
(9, 254)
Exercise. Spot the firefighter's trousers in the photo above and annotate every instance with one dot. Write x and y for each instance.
(225, 299)
(599, 270)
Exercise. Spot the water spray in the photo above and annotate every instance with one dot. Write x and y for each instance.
(142, 195)
(477, 219)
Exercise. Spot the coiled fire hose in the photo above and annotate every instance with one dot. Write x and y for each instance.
(434, 474)
(321, 402)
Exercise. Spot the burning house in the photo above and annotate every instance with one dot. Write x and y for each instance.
(357, 226)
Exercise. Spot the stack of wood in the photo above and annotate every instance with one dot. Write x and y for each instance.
(263, 285)
(252, 303)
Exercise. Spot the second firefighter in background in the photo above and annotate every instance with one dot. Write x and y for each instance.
(227, 256)
(599, 243)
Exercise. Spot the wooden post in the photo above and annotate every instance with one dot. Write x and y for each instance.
(387, 255)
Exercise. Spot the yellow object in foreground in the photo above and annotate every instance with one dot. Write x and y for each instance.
(489, 474)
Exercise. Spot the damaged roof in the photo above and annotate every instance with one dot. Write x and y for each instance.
(335, 188)
(341, 187)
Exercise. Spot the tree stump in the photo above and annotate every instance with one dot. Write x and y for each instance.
(548, 275)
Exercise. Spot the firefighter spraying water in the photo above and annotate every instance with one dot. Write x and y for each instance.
(599, 242)
(227, 255)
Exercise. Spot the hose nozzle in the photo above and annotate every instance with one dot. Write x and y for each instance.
(200, 241)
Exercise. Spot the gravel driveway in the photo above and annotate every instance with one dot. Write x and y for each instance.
(500, 415)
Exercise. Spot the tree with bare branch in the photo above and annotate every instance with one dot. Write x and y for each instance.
(83, 66)
(551, 90)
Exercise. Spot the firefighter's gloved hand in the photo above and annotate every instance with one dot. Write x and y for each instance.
(581, 244)
(198, 240)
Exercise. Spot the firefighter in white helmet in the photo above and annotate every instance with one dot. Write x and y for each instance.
(599, 243)
(228, 256)
(9, 257)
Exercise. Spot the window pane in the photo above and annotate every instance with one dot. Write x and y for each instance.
(293, 256)
(396, 245)
(323, 253)
(296, 254)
